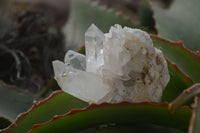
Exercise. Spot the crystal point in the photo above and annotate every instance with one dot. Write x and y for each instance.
(94, 39)
(75, 60)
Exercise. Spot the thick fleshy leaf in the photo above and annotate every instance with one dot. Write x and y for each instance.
(186, 60)
(138, 128)
(56, 104)
(189, 94)
(179, 22)
(184, 97)
(83, 14)
(195, 119)
(4, 123)
(178, 82)
(121, 113)
(13, 102)
(146, 15)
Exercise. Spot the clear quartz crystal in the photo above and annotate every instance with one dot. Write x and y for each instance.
(75, 60)
(121, 65)
(81, 84)
(94, 39)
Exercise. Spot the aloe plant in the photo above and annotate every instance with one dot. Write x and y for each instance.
(61, 112)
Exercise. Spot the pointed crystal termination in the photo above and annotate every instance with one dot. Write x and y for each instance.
(86, 86)
(94, 39)
(75, 60)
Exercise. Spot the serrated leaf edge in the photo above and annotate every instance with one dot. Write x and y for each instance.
(92, 106)
(179, 44)
(35, 104)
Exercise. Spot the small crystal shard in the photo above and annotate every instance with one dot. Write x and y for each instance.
(75, 60)
(121, 65)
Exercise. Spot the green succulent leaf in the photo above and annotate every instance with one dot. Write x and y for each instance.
(179, 22)
(57, 103)
(121, 113)
(138, 128)
(13, 101)
(178, 82)
(4, 123)
(184, 97)
(195, 119)
(191, 93)
(146, 15)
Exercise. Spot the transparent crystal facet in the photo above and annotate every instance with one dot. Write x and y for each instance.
(75, 60)
(94, 39)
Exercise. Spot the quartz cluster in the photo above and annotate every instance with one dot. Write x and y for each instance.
(121, 65)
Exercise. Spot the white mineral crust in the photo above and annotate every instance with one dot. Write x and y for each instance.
(121, 65)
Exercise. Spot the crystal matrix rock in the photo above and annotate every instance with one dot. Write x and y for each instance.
(121, 65)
